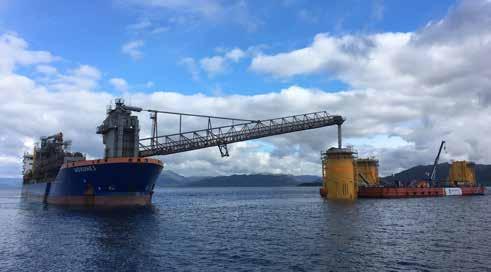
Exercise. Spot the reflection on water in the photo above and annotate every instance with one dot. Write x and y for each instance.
(210, 229)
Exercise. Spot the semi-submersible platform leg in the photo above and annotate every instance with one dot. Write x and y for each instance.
(339, 172)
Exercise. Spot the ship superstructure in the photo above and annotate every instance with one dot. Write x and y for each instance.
(48, 156)
(120, 131)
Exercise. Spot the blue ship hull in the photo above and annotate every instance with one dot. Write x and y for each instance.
(122, 181)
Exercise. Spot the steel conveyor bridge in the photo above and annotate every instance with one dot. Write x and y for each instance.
(239, 130)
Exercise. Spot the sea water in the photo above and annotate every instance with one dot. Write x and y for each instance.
(248, 229)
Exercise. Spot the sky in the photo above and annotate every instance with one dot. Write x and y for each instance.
(405, 75)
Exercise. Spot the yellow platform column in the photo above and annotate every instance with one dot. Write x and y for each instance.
(340, 174)
(462, 173)
(367, 170)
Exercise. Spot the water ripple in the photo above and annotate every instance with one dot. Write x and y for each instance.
(249, 229)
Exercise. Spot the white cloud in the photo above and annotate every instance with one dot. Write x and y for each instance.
(358, 60)
(140, 25)
(235, 54)
(87, 71)
(145, 25)
(191, 66)
(119, 84)
(217, 64)
(213, 65)
(206, 8)
(133, 49)
(13, 53)
(449, 52)
(193, 11)
(46, 70)
(84, 77)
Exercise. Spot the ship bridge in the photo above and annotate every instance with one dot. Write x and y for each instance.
(120, 131)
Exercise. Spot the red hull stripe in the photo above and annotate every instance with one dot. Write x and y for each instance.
(380, 192)
(101, 200)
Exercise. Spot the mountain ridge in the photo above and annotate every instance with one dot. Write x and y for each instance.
(169, 178)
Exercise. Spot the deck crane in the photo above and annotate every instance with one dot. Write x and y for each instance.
(433, 170)
(120, 131)
(239, 130)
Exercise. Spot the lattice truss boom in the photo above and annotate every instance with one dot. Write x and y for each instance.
(222, 135)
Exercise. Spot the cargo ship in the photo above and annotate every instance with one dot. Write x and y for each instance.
(347, 177)
(52, 174)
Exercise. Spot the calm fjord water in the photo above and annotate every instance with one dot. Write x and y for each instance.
(248, 229)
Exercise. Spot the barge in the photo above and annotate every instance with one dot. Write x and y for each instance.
(347, 177)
